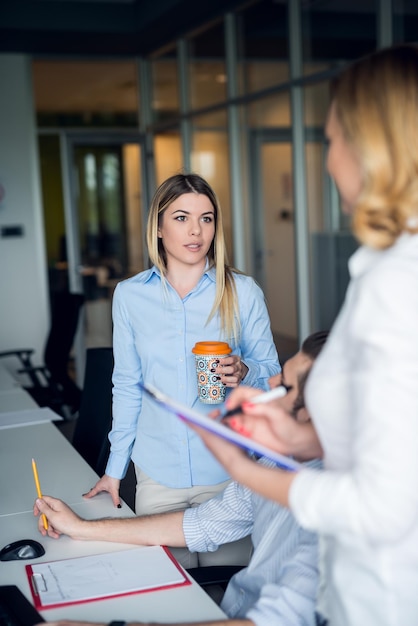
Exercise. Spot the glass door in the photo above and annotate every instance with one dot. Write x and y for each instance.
(104, 229)
(275, 236)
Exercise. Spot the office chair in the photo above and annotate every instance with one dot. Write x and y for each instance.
(214, 579)
(214, 574)
(51, 384)
(95, 414)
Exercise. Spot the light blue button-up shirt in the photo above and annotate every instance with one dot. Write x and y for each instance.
(280, 584)
(153, 336)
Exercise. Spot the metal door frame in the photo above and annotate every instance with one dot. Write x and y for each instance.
(68, 142)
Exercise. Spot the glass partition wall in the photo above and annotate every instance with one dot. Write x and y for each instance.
(242, 101)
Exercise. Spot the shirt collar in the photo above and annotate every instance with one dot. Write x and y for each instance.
(210, 272)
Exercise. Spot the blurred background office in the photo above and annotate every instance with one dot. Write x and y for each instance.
(101, 100)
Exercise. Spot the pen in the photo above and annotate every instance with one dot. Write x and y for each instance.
(262, 398)
(38, 490)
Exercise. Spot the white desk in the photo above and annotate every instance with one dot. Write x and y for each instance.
(16, 400)
(7, 381)
(12, 396)
(65, 474)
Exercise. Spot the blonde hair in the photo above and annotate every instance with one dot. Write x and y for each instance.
(376, 103)
(226, 301)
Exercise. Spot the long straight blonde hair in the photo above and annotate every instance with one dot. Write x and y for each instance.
(376, 102)
(226, 299)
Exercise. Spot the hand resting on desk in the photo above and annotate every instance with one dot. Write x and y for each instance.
(109, 484)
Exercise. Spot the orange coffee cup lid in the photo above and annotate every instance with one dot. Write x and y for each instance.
(211, 347)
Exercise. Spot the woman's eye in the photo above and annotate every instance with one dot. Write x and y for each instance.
(208, 219)
(180, 218)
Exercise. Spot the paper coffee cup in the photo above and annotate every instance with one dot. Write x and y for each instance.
(210, 389)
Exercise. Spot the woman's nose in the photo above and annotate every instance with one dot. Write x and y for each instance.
(195, 228)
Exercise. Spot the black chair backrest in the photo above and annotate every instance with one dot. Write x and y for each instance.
(65, 311)
(95, 415)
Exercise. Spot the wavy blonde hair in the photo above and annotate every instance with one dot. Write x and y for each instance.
(226, 300)
(376, 102)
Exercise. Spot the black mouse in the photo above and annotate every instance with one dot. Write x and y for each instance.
(22, 549)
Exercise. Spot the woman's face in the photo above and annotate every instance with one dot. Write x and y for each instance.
(342, 164)
(187, 229)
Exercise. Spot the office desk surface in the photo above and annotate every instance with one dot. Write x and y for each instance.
(181, 604)
(16, 399)
(63, 473)
(7, 381)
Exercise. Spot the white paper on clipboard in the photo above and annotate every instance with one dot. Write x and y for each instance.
(190, 415)
(99, 576)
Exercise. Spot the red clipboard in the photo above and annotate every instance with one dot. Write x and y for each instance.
(39, 594)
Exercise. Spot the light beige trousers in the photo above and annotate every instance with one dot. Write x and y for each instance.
(152, 497)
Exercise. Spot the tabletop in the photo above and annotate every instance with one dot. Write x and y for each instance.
(64, 473)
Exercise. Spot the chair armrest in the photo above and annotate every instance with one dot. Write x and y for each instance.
(23, 354)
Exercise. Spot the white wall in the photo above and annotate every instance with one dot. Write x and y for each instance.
(24, 310)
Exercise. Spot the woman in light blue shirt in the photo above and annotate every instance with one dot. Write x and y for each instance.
(190, 294)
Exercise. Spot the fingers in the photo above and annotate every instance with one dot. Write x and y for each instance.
(231, 371)
(93, 491)
(241, 394)
(109, 484)
(115, 499)
(44, 506)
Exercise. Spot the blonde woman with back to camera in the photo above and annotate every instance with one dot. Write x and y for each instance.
(362, 393)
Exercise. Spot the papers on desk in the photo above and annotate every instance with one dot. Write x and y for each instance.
(11, 419)
(88, 578)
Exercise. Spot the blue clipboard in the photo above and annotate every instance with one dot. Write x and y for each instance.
(190, 415)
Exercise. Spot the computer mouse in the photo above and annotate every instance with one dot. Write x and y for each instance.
(22, 549)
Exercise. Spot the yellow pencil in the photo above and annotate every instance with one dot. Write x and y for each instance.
(38, 490)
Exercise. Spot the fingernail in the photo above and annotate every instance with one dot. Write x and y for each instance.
(119, 506)
(247, 404)
(212, 370)
(232, 422)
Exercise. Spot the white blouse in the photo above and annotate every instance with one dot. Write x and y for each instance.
(363, 396)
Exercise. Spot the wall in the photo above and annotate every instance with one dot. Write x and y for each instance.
(24, 310)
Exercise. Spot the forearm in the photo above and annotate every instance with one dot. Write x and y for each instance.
(164, 529)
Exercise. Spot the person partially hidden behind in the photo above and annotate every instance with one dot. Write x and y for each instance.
(279, 586)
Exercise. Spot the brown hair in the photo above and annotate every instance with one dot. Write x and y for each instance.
(376, 103)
